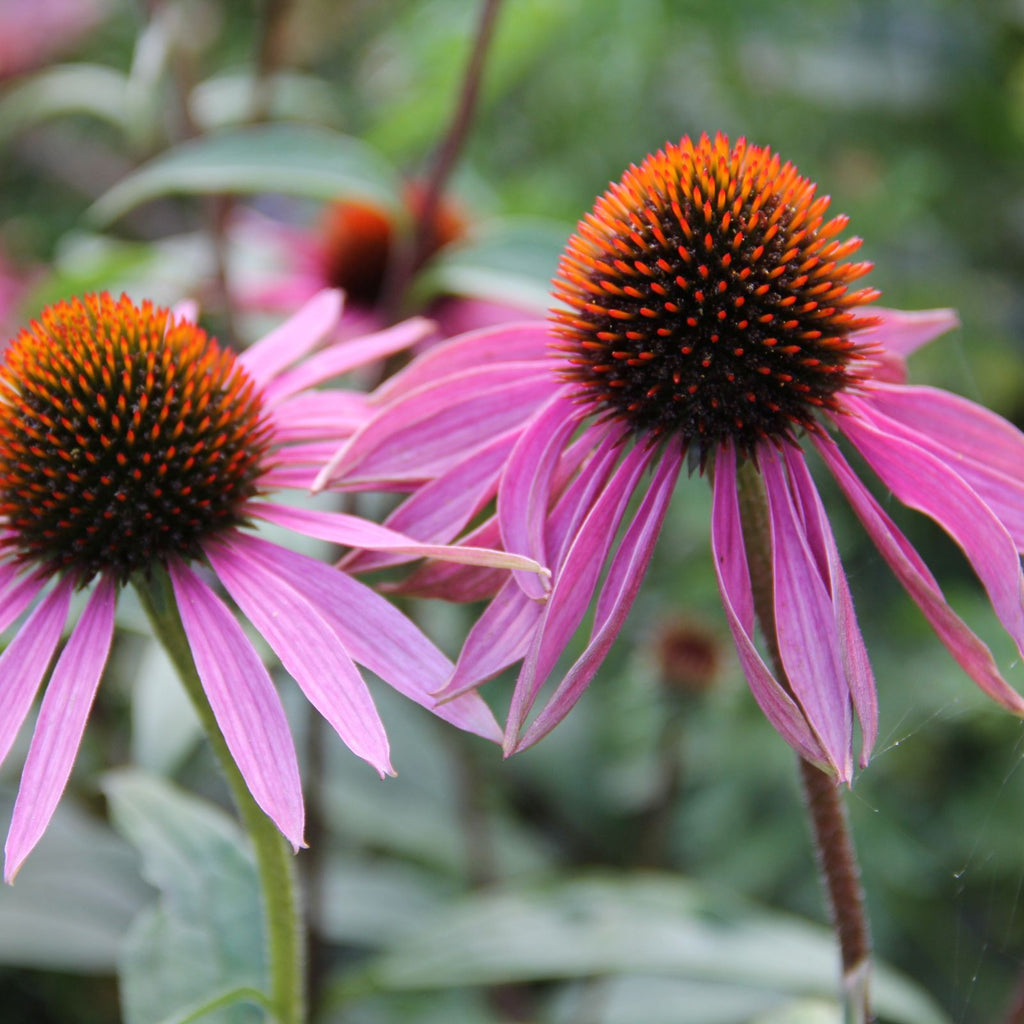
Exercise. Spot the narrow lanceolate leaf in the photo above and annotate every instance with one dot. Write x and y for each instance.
(303, 161)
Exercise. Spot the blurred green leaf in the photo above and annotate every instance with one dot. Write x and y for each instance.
(74, 899)
(295, 160)
(510, 260)
(205, 936)
(639, 925)
(65, 89)
(228, 99)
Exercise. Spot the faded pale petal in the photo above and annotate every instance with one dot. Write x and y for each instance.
(298, 335)
(308, 647)
(377, 635)
(574, 587)
(923, 482)
(625, 574)
(351, 531)
(729, 555)
(244, 702)
(969, 651)
(26, 658)
(60, 725)
(805, 624)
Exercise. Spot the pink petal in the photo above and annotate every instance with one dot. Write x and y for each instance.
(344, 357)
(17, 594)
(621, 586)
(729, 553)
(244, 702)
(500, 637)
(375, 634)
(26, 659)
(805, 624)
(970, 653)
(59, 727)
(433, 427)
(352, 531)
(574, 586)
(976, 444)
(308, 647)
(856, 664)
(319, 414)
(298, 335)
(904, 332)
(439, 510)
(525, 492)
(921, 481)
(509, 343)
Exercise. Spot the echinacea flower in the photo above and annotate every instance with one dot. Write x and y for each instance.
(130, 441)
(354, 247)
(33, 31)
(707, 313)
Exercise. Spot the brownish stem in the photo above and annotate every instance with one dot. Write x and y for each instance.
(444, 161)
(833, 841)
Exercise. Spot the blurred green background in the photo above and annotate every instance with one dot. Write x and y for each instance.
(910, 114)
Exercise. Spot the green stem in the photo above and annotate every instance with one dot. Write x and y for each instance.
(273, 857)
(837, 859)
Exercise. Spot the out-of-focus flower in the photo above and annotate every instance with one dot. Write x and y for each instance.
(707, 313)
(354, 248)
(131, 442)
(33, 31)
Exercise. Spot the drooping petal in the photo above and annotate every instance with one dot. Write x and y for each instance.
(805, 623)
(625, 575)
(298, 335)
(983, 448)
(525, 492)
(500, 637)
(309, 648)
(730, 558)
(60, 725)
(376, 634)
(346, 356)
(573, 586)
(971, 654)
(24, 662)
(923, 482)
(435, 426)
(244, 702)
(352, 531)
(856, 664)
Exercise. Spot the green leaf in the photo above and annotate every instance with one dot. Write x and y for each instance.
(205, 936)
(65, 89)
(291, 159)
(511, 260)
(648, 926)
(227, 98)
(73, 900)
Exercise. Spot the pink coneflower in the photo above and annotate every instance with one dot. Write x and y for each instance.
(353, 247)
(707, 314)
(33, 31)
(131, 443)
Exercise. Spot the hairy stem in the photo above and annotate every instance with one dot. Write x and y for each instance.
(273, 858)
(837, 859)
